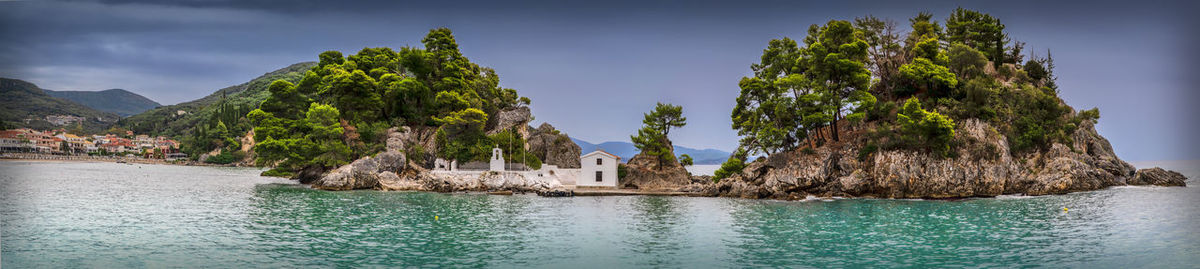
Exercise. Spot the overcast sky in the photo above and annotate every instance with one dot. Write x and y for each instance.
(592, 68)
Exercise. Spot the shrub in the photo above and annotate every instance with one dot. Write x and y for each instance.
(933, 130)
(622, 170)
(276, 172)
(866, 151)
(733, 165)
(966, 61)
(224, 158)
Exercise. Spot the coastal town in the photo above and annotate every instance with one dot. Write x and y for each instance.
(29, 143)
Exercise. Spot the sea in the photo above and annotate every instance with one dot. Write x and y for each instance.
(110, 215)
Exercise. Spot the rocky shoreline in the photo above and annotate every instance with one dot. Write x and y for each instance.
(983, 168)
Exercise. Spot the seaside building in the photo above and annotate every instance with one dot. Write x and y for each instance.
(497, 161)
(599, 169)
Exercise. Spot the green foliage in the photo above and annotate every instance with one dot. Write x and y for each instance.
(664, 117)
(977, 30)
(341, 108)
(652, 139)
(731, 166)
(512, 145)
(276, 172)
(866, 151)
(925, 76)
(223, 158)
(933, 130)
(686, 160)
(622, 170)
(923, 28)
(1035, 70)
(965, 61)
(797, 90)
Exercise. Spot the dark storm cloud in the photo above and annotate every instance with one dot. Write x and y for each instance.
(577, 57)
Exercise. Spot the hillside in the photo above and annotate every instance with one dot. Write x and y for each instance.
(626, 151)
(23, 104)
(177, 119)
(117, 101)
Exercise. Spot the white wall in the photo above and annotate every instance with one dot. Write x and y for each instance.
(587, 175)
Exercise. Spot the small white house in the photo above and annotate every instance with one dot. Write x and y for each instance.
(599, 169)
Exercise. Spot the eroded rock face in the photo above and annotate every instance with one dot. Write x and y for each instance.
(1158, 176)
(983, 167)
(514, 117)
(646, 173)
(553, 147)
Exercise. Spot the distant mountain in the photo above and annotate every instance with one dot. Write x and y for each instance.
(23, 104)
(118, 101)
(626, 150)
(177, 119)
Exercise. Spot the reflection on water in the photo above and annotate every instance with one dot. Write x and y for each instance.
(117, 216)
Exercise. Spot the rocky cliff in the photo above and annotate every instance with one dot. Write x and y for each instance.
(983, 167)
(553, 147)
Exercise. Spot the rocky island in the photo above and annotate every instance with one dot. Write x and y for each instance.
(854, 110)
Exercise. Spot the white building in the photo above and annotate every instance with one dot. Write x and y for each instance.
(599, 169)
(497, 162)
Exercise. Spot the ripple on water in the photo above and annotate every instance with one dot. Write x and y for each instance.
(111, 215)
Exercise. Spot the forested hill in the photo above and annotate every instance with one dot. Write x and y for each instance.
(23, 104)
(118, 101)
(178, 119)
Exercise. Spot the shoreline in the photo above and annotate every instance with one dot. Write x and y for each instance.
(97, 159)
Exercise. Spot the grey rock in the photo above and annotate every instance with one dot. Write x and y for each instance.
(553, 147)
(360, 174)
(1158, 176)
(507, 119)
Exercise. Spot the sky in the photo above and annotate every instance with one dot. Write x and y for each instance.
(593, 67)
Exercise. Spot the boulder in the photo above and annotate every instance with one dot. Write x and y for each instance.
(1159, 177)
(360, 174)
(553, 147)
(645, 173)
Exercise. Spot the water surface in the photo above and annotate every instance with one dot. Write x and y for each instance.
(119, 216)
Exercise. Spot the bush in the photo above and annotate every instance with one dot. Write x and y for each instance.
(224, 158)
(965, 61)
(622, 170)
(933, 130)
(732, 166)
(866, 151)
(276, 173)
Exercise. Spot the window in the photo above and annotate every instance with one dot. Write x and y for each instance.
(599, 176)
(599, 161)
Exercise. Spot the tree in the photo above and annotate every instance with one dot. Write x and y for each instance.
(928, 77)
(731, 166)
(835, 61)
(923, 28)
(884, 50)
(965, 61)
(934, 130)
(978, 30)
(664, 117)
(686, 160)
(652, 139)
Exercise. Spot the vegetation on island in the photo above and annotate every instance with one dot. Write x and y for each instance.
(899, 90)
(341, 108)
(652, 138)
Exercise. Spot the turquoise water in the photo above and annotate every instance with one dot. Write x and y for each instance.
(109, 215)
